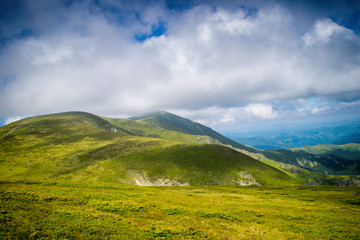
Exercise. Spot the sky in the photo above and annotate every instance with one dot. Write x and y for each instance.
(227, 64)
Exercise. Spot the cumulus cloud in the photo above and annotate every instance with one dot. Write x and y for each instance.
(261, 111)
(318, 110)
(220, 64)
(214, 116)
(324, 29)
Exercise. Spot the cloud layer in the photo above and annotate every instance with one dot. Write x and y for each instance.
(220, 63)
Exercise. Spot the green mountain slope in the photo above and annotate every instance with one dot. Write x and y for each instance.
(200, 164)
(306, 176)
(350, 151)
(83, 147)
(173, 122)
(139, 128)
(53, 145)
(321, 163)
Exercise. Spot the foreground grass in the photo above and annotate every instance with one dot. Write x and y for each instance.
(86, 211)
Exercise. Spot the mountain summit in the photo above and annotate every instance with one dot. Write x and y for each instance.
(173, 122)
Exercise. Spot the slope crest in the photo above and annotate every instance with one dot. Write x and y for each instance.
(173, 122)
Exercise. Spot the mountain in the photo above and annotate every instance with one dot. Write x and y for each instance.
(326, 159)
(300, 136)
(79, 146)
(321, 163)
(307, 177)
(160, 149)
(173, 122)
(349, 151)
(139, 128)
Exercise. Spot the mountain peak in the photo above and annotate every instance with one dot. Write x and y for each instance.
(151, 114)
(174, 122)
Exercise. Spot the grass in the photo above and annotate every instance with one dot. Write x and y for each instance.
(321, 163)
(139, 128)
(50, 146)
(80, 146)
(350, 151)
(306, 176)
(69, 176)
(115, 211)
(204, 165)
(172, 122)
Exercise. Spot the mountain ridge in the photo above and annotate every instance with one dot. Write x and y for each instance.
(80, 146)
(171, 121)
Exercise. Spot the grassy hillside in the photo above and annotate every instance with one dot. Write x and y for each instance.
(305, 176)
(173, 122)
(343, 162)
(350, 151)
(74, 176)
(206, 164)
(321, 163)
(113, 211)
(51, 146)
(139, 128)
(82, 147)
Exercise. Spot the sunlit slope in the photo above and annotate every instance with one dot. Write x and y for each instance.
(202, 164)
(51, 146)
(140, 128)
(323, 163)
(84, 147)
(173, 122)
(349, 151)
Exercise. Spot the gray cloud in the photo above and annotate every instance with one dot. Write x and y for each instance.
(220, 64)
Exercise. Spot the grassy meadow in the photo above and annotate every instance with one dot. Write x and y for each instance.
(115, 211)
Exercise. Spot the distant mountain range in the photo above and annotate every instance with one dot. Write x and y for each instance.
(154, 149)
(328, 159)
(292, 138)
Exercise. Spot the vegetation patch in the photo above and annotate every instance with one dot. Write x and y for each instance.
(116, 211)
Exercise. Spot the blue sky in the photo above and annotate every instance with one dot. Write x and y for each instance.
(227, 64)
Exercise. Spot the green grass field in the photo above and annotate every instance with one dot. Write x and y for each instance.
(111, 211)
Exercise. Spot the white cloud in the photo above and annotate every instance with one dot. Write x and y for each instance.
(261, 111)
(212, 64)
(323, 30)
(319, 110)
(351, 104)
(216, 116)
